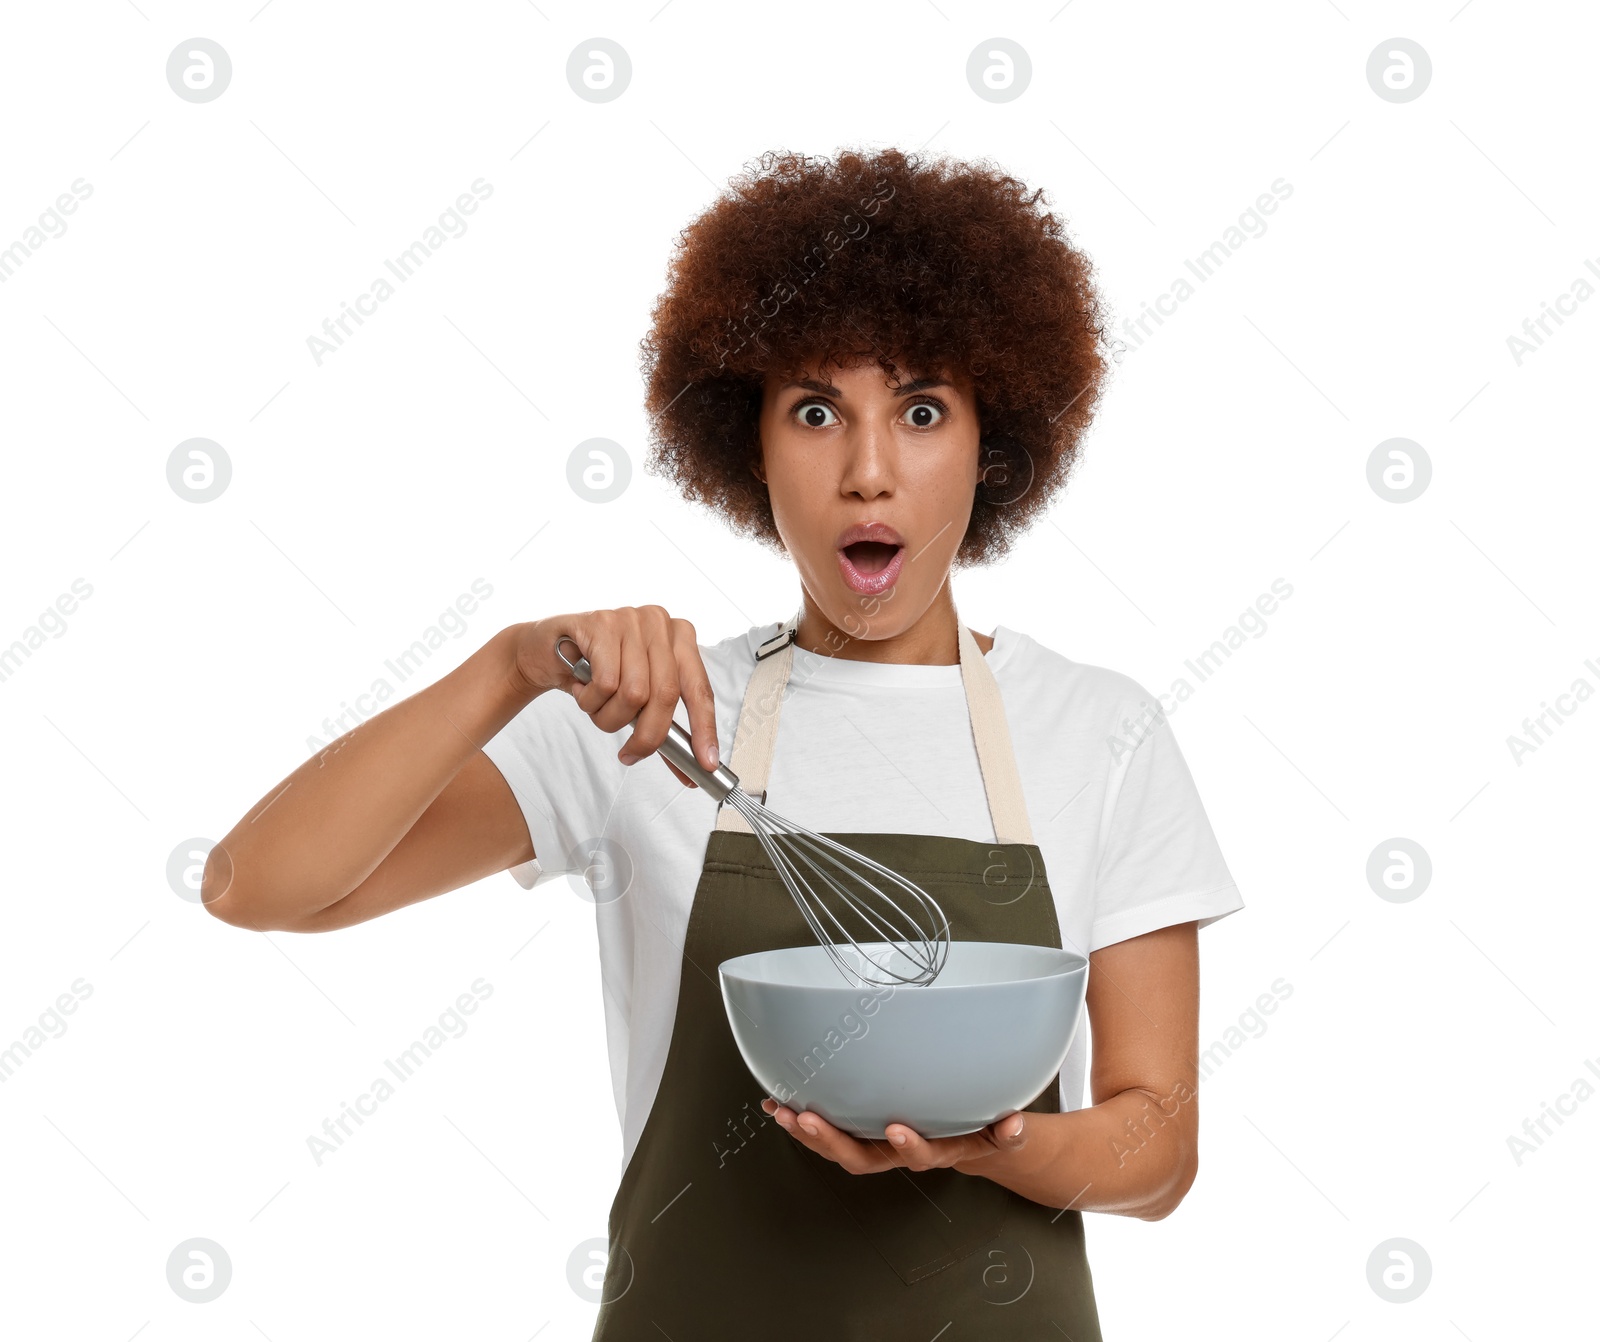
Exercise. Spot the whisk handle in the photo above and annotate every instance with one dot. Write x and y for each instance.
(677, 748)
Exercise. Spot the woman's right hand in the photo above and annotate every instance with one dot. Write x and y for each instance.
(642, 662)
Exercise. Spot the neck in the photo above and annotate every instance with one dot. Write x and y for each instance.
(932, 640)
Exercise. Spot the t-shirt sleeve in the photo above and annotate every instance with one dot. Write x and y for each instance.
(564, 773)
(1160, 863)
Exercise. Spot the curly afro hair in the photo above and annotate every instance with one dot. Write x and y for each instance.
(918, 265)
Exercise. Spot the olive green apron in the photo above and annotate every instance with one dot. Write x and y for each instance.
(725, 1225)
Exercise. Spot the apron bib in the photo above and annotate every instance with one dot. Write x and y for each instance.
(725, 1226)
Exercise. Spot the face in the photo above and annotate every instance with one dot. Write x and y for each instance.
(871, 487)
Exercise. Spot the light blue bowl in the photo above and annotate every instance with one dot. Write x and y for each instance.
(980, 1042)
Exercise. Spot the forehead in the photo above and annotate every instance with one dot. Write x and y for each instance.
(865, 377)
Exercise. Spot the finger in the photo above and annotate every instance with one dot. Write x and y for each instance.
(632, 686)
(914, 1151)
(695, 688)
(650, 727)
(922, 1153)
(814, 1131)
(601, 642)
(1010, 1131)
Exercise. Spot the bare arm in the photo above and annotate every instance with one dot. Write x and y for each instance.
(406, 805)
(1135, 1150)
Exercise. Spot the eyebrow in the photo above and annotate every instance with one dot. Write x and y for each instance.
(905, 388)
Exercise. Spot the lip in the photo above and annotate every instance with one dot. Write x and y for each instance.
(868, 531)
(870, 584)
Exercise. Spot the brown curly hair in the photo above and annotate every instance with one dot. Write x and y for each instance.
(917, 264)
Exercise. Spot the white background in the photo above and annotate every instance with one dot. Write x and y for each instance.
(369, 492)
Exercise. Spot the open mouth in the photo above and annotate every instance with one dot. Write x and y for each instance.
(870, 567)
(871, 556)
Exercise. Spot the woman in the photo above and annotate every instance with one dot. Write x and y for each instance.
(883, 367)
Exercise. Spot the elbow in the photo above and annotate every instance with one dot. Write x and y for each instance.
(217, 895)
(1167, 1198)
(227, 899)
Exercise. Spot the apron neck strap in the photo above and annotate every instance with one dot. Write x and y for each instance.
(757, 733)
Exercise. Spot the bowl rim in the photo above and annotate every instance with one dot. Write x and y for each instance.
(1076, 963)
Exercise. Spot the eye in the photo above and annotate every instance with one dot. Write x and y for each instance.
(923, 414)
(812, 414)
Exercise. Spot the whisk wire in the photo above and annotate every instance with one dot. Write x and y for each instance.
(819, 846)
(803, 857)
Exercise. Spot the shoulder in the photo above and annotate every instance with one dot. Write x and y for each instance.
(1042, 671)
(1076, 705)
(737, 652)
(730, 661)
(1071, 703)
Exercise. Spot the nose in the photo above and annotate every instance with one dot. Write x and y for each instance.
(869, 462)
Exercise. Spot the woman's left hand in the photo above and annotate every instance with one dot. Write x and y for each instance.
(903, 1147)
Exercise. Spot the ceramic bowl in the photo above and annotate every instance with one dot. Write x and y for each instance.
(981, 1041)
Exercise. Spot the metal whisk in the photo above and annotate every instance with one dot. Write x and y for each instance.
(804, 860)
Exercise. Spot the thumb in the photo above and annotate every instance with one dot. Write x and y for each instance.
(1011, 1131)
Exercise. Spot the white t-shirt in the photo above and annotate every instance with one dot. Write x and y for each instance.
(867, 747)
